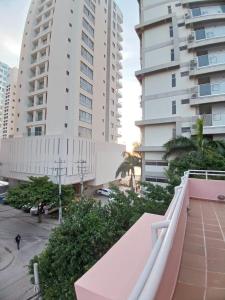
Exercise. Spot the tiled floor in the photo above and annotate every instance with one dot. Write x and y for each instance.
(202, 271)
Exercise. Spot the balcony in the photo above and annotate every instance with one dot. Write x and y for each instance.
(213, 123)
(177, 256)
(203, 37)
(205, 14)
(187, 2)
(118, 95)
(119, 104)
(206, 64)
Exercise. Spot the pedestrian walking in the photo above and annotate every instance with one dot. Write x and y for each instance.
(18, 239)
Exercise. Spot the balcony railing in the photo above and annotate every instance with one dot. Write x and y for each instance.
(210, 119)
(207, 61)
(209, 89)
(205, 11)
(203, 34)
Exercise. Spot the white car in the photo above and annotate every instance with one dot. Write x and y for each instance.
(104, 192)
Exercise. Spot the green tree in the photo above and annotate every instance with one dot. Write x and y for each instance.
(198, 143)
(208, 160)
(88, 232)
(127, 167)
(37, 190)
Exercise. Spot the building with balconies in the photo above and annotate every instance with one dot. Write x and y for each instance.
(9, 106)
(4, 80)
(182, 75)
(69, 78)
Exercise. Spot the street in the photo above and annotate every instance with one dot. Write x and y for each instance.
(14, 279)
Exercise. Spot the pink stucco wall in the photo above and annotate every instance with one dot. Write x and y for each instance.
(206, 189)
(114, 276)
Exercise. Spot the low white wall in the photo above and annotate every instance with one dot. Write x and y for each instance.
(38, 156)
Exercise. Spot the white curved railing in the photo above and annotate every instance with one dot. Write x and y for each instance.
(149, 281)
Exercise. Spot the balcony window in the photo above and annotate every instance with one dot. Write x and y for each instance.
(86, 86)
(85, 117)
(40, 100)
(85, 101)
(39, 115)
(85, 132)
(30, 117)
(196, 12)
(38, 131)
(200, 34)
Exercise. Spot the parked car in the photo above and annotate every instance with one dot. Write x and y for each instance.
(34, 209)
(104, 192)
(27, 207)
(44, 208)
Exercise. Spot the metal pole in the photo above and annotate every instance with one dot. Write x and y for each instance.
(36, 281)
(60, 191)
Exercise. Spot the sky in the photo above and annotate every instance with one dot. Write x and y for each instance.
(12, 19)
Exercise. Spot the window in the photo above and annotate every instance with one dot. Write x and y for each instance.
(85, 101)
(183, 74)
(185, 101)
(156, 179)
(169, 9)
(88, 27)
(84, 132)
(87, 41)
(89, 15)
(85, 117)
(39, 115)
(185, 129)
(86, 70)
(87, 55)
(174, 107)
(173, 80)
(156, 163)
(171, 31)
(38, 131)
(172, 55)
(86, 86)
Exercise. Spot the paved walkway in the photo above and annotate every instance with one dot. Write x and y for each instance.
(202, 271)
(14, 278)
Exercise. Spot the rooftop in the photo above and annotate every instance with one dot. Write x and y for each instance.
(178, 256)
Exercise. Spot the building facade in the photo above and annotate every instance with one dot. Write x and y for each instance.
(69, 75)
(9, 107)
(182, 74)
(4, 78)
(68, 91)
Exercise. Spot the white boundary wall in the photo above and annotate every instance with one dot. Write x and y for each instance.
(37, 156)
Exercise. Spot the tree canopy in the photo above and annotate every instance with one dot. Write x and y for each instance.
(88, 232)
(37, 190)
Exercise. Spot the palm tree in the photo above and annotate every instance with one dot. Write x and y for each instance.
(199, 143)
(127, 167)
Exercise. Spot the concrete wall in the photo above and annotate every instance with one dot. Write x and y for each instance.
(38, 156)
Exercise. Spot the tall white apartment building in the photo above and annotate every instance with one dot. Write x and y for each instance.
(69, 76)
(68, 88)
(9, 106)
(182, 74)
(4, 77)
